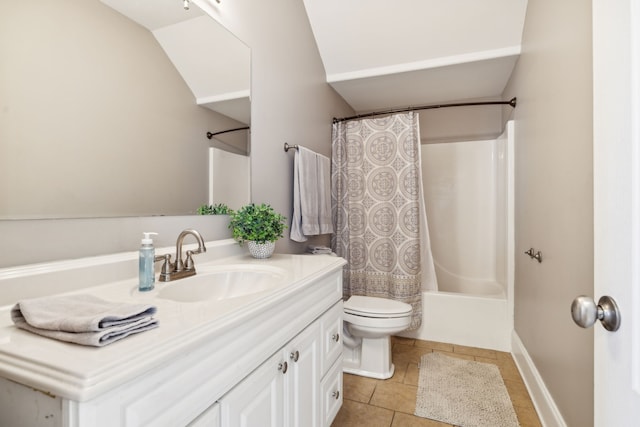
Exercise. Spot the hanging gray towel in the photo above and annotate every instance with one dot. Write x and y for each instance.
(83, 319)
(311, 195)
(323, 169)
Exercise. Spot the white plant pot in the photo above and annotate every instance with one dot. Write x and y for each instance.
(261, 250)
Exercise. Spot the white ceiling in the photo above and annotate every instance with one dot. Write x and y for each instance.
(381, 54)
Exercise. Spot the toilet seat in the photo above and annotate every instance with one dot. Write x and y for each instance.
(363, 306)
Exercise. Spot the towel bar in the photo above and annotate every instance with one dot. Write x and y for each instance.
(287, 147)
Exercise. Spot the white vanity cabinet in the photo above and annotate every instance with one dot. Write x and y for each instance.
(331, 364)
(259, 399)
(302, 378)
(293, 386)
(209, 418)
(273, 359)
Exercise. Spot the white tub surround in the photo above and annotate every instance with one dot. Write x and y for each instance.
(469, 194)
(175, 374)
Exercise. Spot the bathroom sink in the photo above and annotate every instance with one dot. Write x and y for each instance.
(223, 282)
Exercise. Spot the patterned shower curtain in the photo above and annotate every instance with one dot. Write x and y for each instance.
(378, 209)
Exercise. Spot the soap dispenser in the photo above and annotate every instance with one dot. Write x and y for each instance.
(146, 263)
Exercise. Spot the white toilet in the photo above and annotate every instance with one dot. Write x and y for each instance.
(369, 323)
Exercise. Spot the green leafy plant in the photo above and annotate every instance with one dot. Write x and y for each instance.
(259, 223)
(219, 209)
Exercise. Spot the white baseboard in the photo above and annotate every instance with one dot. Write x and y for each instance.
(545, 406)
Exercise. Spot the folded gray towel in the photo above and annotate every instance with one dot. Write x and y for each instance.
(318, 250)
(96, 339)
(83, 319)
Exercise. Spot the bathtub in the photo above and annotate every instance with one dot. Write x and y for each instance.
(468, 189)
(470, 313)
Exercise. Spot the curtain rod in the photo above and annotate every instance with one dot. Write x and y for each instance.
(511, 102)
(211, 135)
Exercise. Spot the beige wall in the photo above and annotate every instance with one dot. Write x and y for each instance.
(290, 103)
(461, 123)
(290, 99)
(554, 196)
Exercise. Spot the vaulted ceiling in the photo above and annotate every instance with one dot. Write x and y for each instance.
(381, 54)
(377, 54)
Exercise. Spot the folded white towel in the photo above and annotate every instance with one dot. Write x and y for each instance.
(83, 319)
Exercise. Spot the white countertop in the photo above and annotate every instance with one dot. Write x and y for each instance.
(81, 373)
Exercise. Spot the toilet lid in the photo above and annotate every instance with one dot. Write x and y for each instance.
(376, 307)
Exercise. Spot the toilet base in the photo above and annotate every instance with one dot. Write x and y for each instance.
(372, 358)
(369, 374)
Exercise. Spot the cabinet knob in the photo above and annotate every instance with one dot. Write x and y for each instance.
(335, 337)
(283, 367)
(336, 394)
(295, 356)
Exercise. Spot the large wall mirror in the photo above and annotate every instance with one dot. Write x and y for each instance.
(105, 107)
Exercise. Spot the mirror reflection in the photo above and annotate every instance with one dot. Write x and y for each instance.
(103, 114)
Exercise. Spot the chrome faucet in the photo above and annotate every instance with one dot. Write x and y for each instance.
(181, 269)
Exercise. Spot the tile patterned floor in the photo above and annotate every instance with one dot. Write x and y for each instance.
(391, 403)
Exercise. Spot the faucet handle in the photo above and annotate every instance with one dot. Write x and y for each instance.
(188, 263)
(166, 265)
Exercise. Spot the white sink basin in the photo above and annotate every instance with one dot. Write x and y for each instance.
(222, 282)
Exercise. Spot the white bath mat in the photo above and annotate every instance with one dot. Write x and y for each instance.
(463, 392)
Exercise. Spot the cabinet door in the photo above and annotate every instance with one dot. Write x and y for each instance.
(258, 399)
(331, 393)
(302, 402)
(209, 418)
(331, 330)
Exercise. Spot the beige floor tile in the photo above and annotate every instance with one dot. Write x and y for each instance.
(518, 393)
(402, 340)
(395, 396)
(400, 371)
(406, 420)
(358, 388)
(433, 345)
(356, 414)
(412, 375)
(527, 417)
(392, 402)
(503, 355)
(473, 351)
(408, 354)
(509, 370)
(505, 362)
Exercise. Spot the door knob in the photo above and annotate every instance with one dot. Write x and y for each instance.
(585, 312)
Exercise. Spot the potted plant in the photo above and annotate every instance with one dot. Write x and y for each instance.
(260, 226)
(219, 209)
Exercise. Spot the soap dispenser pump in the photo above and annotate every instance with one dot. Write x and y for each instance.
(146, 270)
